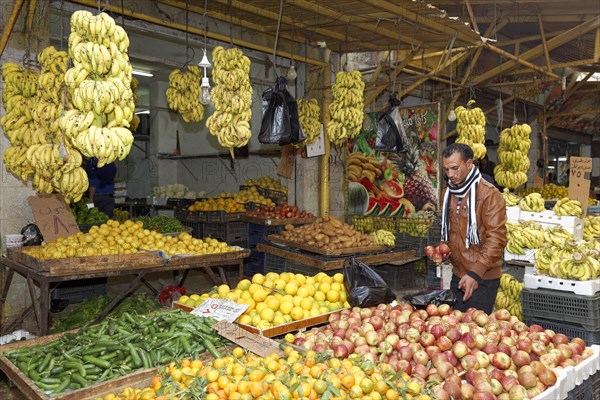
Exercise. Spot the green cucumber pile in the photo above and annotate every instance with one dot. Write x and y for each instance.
(116, 347)
(161, 223)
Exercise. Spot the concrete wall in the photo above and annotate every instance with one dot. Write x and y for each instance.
(14, 209)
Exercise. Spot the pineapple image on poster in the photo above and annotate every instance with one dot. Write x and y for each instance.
(398, 184)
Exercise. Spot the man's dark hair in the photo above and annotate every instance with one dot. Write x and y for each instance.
(465, 151)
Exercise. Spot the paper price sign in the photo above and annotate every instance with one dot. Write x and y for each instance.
(220, 309)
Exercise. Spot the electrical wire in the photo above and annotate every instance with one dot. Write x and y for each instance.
(273, 61)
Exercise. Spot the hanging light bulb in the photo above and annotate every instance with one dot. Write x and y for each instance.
(452, 115)
(205, 85)
(205, 91)
(292, 74)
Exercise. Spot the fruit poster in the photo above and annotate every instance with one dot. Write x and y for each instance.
(396, 184)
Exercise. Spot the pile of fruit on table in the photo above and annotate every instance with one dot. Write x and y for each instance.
(128, 237)
(228, 205)
(279, 212)
(275, 299)
(266, 182)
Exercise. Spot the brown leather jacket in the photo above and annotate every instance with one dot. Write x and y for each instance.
(485, 259)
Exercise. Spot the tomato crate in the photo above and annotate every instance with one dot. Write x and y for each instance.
(571, 330)
(589, 389)
(562, 306)
(257, 233)
(234, 232)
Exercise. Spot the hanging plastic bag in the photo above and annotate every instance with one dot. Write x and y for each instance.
(31, 235)
(437, 297)
(364, 286)
(280, 123)
(391, 136)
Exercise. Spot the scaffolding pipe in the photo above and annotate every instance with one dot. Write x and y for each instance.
(10, 25)
(324, 170)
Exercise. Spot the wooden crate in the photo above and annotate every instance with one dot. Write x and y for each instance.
(317, 250)
(278, 221)
(193, 259)
(70, 265)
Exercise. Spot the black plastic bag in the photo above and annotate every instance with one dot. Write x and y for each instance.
(280, 123)
(391, 136)
(31, 235)
(364, 286)
(437, 297)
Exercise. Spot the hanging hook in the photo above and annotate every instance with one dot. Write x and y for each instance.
(106, 5)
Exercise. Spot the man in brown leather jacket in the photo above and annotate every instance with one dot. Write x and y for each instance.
(474, 226)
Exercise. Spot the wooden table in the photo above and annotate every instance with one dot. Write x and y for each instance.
(46, 280)
(328, 263)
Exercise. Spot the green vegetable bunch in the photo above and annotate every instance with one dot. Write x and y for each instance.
(87, 216)
(161, 223)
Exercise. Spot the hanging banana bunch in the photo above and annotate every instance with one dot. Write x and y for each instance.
(232, 97)
(19, 96)
(511, 172)
(309, 115)
(184, 92)
(99, 83)
(471, 128)
(135, 121)
(347, 108)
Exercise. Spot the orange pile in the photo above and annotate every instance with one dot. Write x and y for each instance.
(217, 204)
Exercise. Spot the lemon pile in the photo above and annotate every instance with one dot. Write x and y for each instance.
(275, 299)
(114, 237)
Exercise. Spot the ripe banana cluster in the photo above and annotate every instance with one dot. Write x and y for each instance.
(509, 295)
(470, 126)
(524, 235)
(183, 93)
(99, 82)
(347, 108)
(558, 236)
(510, 198)
(382, 237)
(591, 228)
(533, 202)
(309, 115)
(232, 97)
(19, 99)
(568, 207)
(135, 121)
(570, 261)
(52, 74)
(511, 172)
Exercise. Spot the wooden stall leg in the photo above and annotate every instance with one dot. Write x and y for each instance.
(212, 275)
(36, 305)
(4, 293)
(149, 286)
(223, 276)
(135, 283)
(12, 326)
(179, 279)
(44, 305)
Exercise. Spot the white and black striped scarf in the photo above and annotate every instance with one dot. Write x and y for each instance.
(468, 186)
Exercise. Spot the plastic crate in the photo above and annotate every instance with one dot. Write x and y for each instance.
(197, 228)
(257, 233)
(569, 329)
(180, 203)
(230, 232)
(405, 242)
(79, 290)
(191, 216)
(562, 306)
(255, 264)
(433, 281)
(589, 389)
(274, 263)
(222, 216)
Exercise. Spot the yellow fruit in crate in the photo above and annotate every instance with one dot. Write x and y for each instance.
(310, 288)
(336, 286)
(307, 303)
(319, 296)
(333, 296)
(268, 284)
(260, 295)
(259, 307)
(253, 288)
(278, 320)
(291, 288)
(338, 277)
(246, 295)
(267, 314)
(280, 284)
(302, 292)
(286, 307)
(310, 280)
(323, 310)
(300, 278)
(297, 300)
(297, 313)
(245, 319)
(324, 287)
(223, 290)
(195, 297)
(273, 303)
(272, 276)
(183, 299)
(258, 278)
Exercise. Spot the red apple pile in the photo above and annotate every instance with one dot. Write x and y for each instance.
(498, 356)
(279, 212)
(437, 254)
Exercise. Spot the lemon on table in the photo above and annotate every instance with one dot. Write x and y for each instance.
(297, 313)
(223, 290)
(183, 299)
(291, 288)
(286, 307)
(267, 314)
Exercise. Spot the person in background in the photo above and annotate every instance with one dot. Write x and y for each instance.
(474, 227)
(102, 185)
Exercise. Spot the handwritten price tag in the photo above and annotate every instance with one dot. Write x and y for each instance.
(220, 309)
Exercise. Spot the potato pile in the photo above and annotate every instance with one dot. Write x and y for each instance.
(327, 233)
